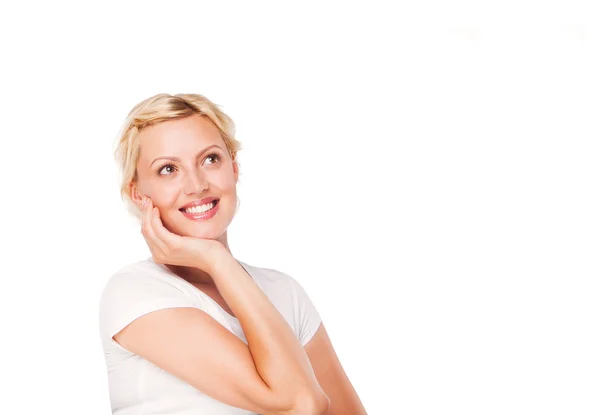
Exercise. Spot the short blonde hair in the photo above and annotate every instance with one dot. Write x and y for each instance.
(156, 109)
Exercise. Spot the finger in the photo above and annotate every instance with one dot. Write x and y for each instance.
(162, 233)
(145, 216)
(156, 245)
(145, 224)
(154, 227)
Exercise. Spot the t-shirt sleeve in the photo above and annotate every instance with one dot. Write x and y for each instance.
(307, 317)
(128, 296)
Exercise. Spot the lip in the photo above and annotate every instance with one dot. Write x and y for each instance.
(202, 216)
(198, 202)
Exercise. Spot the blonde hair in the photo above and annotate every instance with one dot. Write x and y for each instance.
(156, 109)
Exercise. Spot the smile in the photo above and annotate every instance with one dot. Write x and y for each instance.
(202, 212)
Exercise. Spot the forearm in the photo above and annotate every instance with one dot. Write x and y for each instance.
(279, 358)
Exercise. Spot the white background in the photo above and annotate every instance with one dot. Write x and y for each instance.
(427, 170)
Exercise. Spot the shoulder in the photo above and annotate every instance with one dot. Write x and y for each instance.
(142, 274)
(146, 265)
(140, 282)
(269, 277)
(138, 289)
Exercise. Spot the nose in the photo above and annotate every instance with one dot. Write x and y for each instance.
(195, 183)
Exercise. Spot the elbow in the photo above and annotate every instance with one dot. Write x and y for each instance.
(322, 406)
(313, 405)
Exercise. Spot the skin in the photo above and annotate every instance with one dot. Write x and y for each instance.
(179, 182)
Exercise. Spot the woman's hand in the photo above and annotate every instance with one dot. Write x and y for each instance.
(169, 248)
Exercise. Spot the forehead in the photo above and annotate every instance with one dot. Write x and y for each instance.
(180, 138)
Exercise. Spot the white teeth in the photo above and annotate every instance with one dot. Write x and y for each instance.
(200, 209)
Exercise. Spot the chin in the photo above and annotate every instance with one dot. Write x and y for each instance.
(206, 233)
(203, 235)
(195, 230)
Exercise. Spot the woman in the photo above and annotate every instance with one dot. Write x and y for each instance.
(192, 330)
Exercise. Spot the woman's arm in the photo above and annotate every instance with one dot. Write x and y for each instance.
(271, 375)
(279, 357)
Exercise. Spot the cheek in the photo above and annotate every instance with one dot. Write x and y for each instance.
(164, 195)
(223, 182)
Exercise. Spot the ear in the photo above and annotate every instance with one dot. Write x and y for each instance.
(135, 194)
(236, 169)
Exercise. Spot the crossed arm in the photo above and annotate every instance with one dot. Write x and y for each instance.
(272, 375)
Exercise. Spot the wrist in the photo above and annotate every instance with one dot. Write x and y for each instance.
(220, 258)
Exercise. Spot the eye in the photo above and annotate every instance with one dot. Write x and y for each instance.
(164, 166)
(215, 157)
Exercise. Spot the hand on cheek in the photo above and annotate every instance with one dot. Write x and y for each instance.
(169, 248)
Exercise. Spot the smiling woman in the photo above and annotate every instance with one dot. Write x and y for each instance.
(192, 329)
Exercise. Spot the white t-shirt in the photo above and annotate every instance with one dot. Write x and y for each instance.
(138, 387)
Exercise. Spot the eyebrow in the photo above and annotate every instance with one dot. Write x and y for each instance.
(178, 159)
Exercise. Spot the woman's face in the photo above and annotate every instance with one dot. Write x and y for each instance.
(183, 161)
